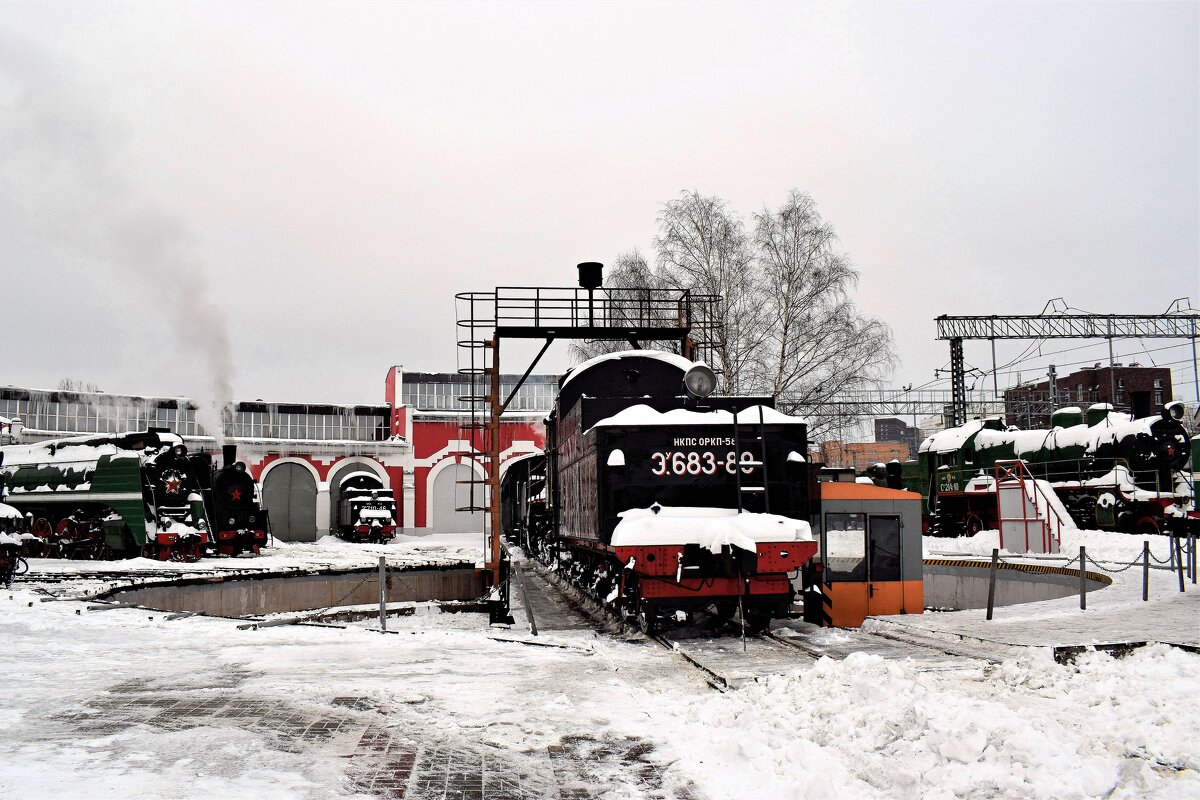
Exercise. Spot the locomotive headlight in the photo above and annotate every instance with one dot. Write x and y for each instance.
(700, 381)
(1173, 410)
(179, 451)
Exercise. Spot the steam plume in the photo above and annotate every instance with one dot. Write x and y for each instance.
(63, 176)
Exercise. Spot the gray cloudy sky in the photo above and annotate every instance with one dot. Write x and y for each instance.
(326, 176)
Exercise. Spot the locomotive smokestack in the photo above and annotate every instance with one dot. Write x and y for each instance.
(228, 454)
(591, 275)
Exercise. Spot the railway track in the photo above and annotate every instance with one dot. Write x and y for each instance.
(724, 661)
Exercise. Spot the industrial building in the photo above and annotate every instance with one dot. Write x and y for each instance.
(300, 452)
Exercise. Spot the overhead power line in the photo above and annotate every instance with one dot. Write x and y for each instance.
(1181, 322)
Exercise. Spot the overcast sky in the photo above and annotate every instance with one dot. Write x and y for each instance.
(324, 177)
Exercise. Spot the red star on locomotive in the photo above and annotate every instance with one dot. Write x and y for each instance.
(172, 482)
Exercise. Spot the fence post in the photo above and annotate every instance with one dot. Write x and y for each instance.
(1177, 550)
(1082, 577)
(1192, 554)
(1145, 570)
(383, 593)
(992, 581)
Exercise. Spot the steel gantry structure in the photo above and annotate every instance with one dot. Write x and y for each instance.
(1179, 324)
(592, 313)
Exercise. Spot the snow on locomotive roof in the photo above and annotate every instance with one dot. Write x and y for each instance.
(74, 449)
(25, 454)
(658, 355)
(645, 415)
(951, 438)
(8, 512)
(710, 528)
(360, 474)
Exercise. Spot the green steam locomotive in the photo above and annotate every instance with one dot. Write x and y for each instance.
(1110, 471)
(127, 495)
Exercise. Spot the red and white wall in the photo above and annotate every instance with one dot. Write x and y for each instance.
(431, 469)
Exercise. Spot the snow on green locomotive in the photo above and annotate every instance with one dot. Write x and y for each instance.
(1110, 471)
(121, 495)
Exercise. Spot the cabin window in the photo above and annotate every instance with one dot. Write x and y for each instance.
(844, 547)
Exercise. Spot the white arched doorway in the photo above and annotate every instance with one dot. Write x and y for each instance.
(449, 491)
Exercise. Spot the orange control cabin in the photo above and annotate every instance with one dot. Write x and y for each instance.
(870, 559)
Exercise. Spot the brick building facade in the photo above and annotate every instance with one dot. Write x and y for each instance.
(1134, 389)
(861, 455)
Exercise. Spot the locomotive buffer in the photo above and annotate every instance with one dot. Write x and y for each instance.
(589, 312)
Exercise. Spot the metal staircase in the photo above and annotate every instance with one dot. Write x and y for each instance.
(1026, 516)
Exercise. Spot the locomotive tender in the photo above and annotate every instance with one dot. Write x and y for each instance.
(1111, 472)
(661, 499)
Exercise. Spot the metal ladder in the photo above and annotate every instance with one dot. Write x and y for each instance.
(761, 464)
(476, 363)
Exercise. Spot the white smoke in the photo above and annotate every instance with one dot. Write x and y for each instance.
(64, 177)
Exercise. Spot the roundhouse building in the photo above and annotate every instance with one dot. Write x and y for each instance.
(300, 453)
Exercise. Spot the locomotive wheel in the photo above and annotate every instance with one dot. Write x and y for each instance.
(758, 621)
(974, 524)
(67, 534)
(1083, 511)
(1148, 526)
(647, 621)
(42, 529)
(724, 611)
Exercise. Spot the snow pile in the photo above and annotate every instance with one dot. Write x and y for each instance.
(1101, 545)
(180, 529)
(711, 528)
(329, 552)
(8, 512)
(1048, 503)
(952, 438)
(9, 540)
(846, 544)
(871, 728)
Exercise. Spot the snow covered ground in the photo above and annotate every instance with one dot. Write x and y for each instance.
(128, 703)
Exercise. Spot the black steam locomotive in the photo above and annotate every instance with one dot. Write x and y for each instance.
(239, 522)
(661, 499)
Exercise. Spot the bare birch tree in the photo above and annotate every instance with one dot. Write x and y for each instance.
(789, 325)
(704, 247)
(819, 344)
